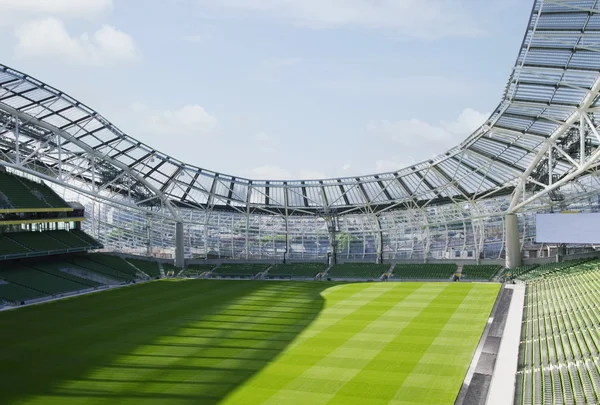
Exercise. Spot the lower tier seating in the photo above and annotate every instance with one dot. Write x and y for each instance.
(58, 275)
(424, 271)
(14, 293)
(195, 270)
(560, 343)
(296, 270)
(147, 266)
(480, 272)
(104, 270)
(167, 267)
(114, 262)
(45, 283)
(535, 271)
(368, 271)
(239, 270)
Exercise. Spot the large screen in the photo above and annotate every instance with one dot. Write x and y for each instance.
(567, 228)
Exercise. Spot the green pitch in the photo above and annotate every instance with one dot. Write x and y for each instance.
(246, 342)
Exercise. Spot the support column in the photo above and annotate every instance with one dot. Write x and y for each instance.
(179, 250)
(379, 259)
(513, 243)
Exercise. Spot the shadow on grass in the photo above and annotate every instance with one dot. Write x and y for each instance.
(190, 342)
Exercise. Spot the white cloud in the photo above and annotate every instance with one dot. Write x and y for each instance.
(420, 135)
(190, 120)
(272, 172)
(197, 39)
(269, 172)
(346, 166)
(67, 8)
(420, 140)
(392, 165)
(49, 38)
(309, 174)
(262, 137)
(413, 18)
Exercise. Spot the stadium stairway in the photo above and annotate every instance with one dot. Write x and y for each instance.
(144, 275)
(161, 270)
(385, 276)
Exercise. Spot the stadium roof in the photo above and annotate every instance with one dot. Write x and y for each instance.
(555, 75)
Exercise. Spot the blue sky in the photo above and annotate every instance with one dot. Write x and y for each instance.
(276, 88)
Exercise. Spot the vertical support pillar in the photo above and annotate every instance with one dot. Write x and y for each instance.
(60, 162)
(17, 141)
(379, 240)
(513, 243)
(179, 250)
(581, 140)
(149, 235)
(550, 166)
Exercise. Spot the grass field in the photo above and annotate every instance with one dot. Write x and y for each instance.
(246, 342)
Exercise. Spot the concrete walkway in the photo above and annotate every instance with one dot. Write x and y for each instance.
(502, 387)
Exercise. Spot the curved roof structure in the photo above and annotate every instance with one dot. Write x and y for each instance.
(556, 76)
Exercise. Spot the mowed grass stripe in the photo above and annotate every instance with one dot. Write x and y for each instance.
(372, 368)
(138, 352)
(353, 344)
(221, 353)
(239, 342)
(229, 351)
(346, 300)
(462, 331)
(444, 364)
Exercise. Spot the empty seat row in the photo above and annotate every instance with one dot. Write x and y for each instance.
(239, 269)
(28, 243)
(480, 272)
(560, 343)
(424, 271)
(358, 270)
(22, 193)
(147, 266)
(296, 270)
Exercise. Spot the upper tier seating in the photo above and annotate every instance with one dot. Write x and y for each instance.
(358, 270)
(239, 270)
(296, 270)
(147, 266)
(21, 244)
(480, 272)
(424, 271)
(560, 340)
(23, 193)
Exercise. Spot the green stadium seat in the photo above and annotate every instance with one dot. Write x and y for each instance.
(195, 270)
(243, 270)
(368, 271)
(296, 270)
(14, 293)
(23, 193)
(559, 348)
(147, 266)
(480, 272)
(442, 271)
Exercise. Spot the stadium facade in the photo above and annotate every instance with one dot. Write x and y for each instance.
(537, 152)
